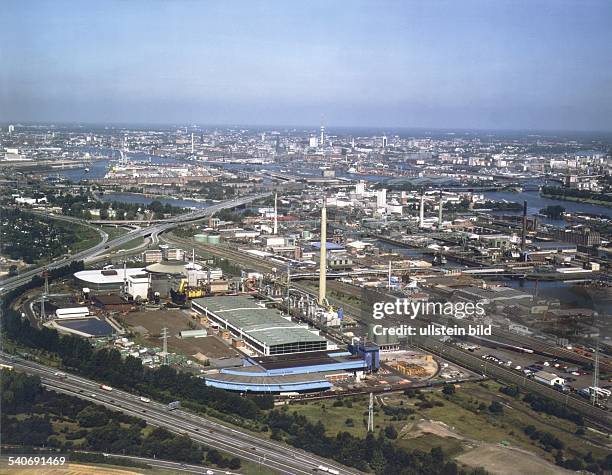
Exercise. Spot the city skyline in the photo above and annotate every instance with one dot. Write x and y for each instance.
(542, 66)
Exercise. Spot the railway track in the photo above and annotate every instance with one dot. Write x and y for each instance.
(597, 415)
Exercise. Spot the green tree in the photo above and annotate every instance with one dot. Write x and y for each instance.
(448, 389)
(93, 416)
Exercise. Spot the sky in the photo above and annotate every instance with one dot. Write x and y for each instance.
(469, 64)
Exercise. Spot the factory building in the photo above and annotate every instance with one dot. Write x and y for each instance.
(165, 276)
(306, 372)
(137, 286)
(550, 379)
(264, 330)
(105, 279)
(152, 255)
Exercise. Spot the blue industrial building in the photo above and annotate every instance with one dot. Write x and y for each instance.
(306, 372)
(369, 351)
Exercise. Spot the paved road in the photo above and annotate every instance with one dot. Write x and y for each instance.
(153, 231)
(274, 455)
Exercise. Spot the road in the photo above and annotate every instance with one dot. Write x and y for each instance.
(275, 455)
(153, 231)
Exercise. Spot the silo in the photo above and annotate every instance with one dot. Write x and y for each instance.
(202, 237)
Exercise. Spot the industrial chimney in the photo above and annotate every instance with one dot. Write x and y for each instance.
(440, 212)
(524, 231)
(323, 257)
(275, 214)
(422, 212)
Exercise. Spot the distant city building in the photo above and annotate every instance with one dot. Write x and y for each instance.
(584, 237)
(152, 255)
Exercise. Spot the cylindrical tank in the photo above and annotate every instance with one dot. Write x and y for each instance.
(202, 237)
(214, 239)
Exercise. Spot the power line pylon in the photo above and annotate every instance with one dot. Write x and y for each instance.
(371, 414)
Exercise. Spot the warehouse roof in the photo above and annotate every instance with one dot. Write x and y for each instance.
(108, 276)
(167, 267)
(254, 319)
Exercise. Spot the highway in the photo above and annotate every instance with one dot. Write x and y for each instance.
(153, 231)
(275, 455)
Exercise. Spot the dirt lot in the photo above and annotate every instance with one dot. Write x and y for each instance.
(509, 461)
(72, 469)
(175, 321)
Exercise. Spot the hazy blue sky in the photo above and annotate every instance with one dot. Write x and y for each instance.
(465, 64)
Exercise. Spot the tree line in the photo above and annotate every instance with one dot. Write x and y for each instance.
(32, 417)
(569, 192)
(375, 453)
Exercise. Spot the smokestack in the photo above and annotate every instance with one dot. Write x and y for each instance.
(422, 212)
(524, 231)
(323, 257)
(440, 211)
(192, 149)
(275, 214)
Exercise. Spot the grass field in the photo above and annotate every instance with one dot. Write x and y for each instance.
(131, 244)
(460, 423)
(86, 238)
(114, 232)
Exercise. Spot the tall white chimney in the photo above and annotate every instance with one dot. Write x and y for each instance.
(275, 214)
(422, 212)
(323, 257)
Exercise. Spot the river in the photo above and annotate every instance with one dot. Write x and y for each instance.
(141, 199)
(99, 167)
(535, 203)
